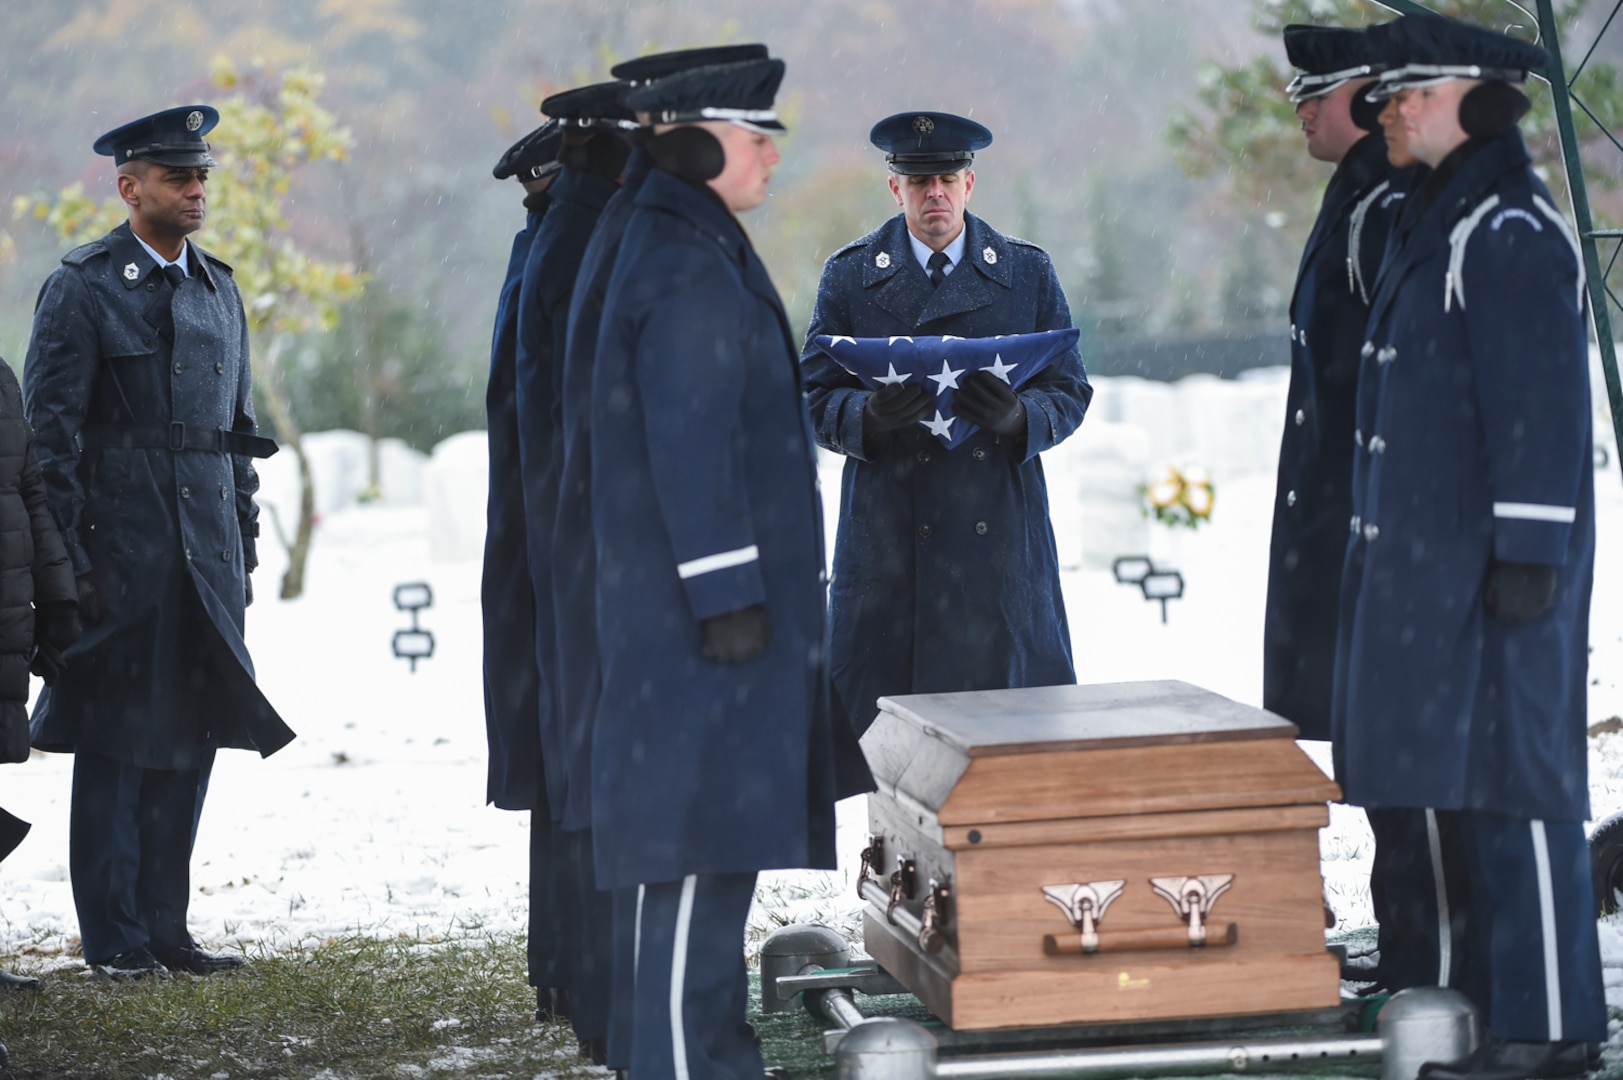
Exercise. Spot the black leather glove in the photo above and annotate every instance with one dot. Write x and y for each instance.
(738, 636)
(56, 627)
(1518, 592)
(90, 609)
(895, 406)
(990, 404)
(248, 589)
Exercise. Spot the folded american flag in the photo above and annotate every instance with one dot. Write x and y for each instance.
(940, 363)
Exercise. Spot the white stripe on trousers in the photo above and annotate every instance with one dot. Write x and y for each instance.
(679, 972)
(1546, 910)
(1445, 935)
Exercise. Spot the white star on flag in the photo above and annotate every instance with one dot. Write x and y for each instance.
(891, 379)
(894, 340)
(837, 338)
(940, 427)
(1000, 369)
(947, 380)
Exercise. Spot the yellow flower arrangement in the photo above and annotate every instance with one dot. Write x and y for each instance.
(1180, 496)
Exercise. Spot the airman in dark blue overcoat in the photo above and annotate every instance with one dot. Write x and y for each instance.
(1462, 659)
(1313, 498)
(713, 752)
(512, 676)
(945, 572)
(574, 548)
(137, 382)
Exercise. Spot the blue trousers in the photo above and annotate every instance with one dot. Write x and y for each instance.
(590, 944)
(1501, 909)
(551, 902)
(625, 916)
(130, 835)
(691, 989)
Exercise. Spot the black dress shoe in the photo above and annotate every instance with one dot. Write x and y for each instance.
(1506, 1060)
(595, 1051)
(777, 1072)
(195, 961)
(136, 963)
(5, 1058)
(1363, 968)
(8, 981)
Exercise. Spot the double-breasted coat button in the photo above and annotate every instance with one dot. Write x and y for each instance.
(1293, 331)
(979, 453)
(925, 531)
(1302, 337)
(185, 492)
(152, 286)
(1377, 445)
(219, 368)
(980, 528)
(1290, 498)
(1372, 533)
(179, 367)
(924, 455)
(188, 554)
(1301, 417)
(225, 556)
(1354, 524)
(1358, 436)
(223, 494)
(1368, 350)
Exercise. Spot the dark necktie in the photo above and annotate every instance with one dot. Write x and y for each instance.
(938, 267)
(175, 274)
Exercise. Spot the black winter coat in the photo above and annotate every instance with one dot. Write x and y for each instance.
(34, 567)
(117, 356)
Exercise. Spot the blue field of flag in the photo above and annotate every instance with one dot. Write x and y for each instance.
(940, 363)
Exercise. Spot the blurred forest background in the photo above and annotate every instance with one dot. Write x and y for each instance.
(1144, 143)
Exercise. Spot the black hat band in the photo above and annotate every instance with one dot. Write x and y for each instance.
(197, 146)
(1306, 86)
(1415, 75)
(951, 160)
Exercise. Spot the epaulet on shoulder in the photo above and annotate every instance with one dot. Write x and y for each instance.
(85, 252)
(216, 260)
(1017, 242)
(852, 246)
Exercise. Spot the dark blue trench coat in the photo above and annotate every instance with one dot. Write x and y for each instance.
(166, 536)
(704, 501)
(945, 572)
(1474, 426)
(506, 597)
(1313, 498)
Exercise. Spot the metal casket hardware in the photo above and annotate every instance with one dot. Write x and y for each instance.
(1192, 898)
(1084, 904)
(932, 934)
(873, 856)
(904, 883)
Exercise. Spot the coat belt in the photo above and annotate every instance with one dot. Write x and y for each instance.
(175, 436)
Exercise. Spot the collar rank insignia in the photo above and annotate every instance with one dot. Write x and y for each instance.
(131, 272)
(989, 257)
(882, 260)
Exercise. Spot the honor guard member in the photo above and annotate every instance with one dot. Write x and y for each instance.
(594, 125)
(574, 551)
(1461, 681)
(945, 572)
(511, 675)
(1314, 493)
(137, 383)
(713, 753)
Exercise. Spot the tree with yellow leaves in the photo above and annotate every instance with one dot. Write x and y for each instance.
(271, 129)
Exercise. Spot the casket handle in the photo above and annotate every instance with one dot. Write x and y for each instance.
(931, 929)
(1170, 937)
(873, 857)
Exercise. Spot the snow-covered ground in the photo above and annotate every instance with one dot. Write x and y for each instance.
(373, 820)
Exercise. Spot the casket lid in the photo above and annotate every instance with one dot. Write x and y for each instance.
(1085, 751)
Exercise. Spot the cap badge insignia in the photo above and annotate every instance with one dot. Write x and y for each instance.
(131, 272)
(882, 260)
(923, 125)
(194, 120)
(989, 257)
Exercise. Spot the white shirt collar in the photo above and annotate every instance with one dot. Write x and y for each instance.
(162, 262)
(954, 251)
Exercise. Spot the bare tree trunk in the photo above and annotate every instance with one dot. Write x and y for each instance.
(298, 552)
(366, 367)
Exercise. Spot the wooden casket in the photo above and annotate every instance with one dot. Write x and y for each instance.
(1090, 854)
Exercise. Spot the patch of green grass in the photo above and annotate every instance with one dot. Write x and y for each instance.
(352, 1008)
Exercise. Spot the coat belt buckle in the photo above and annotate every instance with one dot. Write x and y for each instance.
(177, 435)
